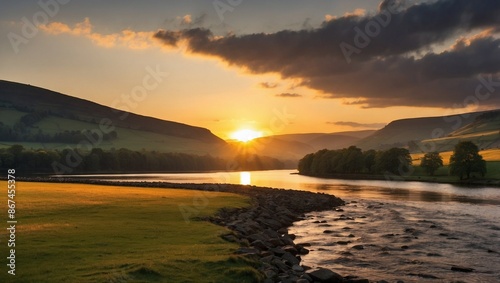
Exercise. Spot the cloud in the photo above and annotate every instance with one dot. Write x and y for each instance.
(395, 66)
(329, 17)
(288, 94)
(186, 20)
(358, 125)
(356, 13)
(127, 38)
(268, 85)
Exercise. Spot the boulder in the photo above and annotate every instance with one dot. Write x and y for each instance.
(269, 273)
(324, 275)
(278, 251)
(290, 259)
(263, 246)
(303, 251)
(461, 268)
(291, 249)
(280, 265)
(297, 268)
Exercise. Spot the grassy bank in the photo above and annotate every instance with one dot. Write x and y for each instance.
(92, 233)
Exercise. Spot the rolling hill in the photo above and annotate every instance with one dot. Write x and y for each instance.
(484, 131)
(400, 133)
(41, 118)
(295, 146)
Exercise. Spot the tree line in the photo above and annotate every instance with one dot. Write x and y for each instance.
(464, 162)
(125, 160)
(353, 160)
(20, 132)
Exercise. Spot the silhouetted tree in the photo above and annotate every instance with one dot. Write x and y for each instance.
(431, 162)
(354, 162)
(466, 160)
(395, 160)
(369, 160)
(319, 163)
(305, 164)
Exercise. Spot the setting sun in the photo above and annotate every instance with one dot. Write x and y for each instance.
(246, 135)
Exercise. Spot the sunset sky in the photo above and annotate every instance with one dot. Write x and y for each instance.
(323, 66)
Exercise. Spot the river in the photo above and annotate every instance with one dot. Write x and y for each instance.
(408, 231)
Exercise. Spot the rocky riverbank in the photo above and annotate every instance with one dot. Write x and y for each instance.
(262, 231)
(262, 228)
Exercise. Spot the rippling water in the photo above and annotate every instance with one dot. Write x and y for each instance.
(410, 231)
(410, 241)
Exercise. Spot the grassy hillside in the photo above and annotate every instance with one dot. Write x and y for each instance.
(89, 233)
(36, 115)
(37, 99)
(398, 133)
(126, 138)
(483, 131)
(482, 128)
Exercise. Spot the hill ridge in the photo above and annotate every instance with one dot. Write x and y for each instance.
(38, 98)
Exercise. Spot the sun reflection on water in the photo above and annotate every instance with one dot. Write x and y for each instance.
(245, 178)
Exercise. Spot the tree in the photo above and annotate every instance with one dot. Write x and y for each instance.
(369, 160)
(319, 162)
(354, 161)
(395, 160)
(431, 162)
(466, 160)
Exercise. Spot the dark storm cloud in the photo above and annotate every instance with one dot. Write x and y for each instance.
(383, 69)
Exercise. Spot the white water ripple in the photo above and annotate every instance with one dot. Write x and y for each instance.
(412, 241)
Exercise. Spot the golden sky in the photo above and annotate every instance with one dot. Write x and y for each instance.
(323, 66)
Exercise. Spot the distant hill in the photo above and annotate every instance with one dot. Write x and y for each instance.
(339, 140)
(39, 117)
(484, 130)
(295, 146)
(438, 133)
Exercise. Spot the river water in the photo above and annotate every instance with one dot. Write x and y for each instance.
(409, 231)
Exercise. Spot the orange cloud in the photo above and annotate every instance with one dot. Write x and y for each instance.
(357, 12)
(126, 38)
(186, 20)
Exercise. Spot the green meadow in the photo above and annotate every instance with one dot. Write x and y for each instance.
(492, 157)
(92, 233)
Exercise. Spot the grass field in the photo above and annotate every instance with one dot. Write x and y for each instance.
(488, 155)
(492, 157)
(90, 233)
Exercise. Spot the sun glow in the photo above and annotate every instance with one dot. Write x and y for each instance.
(245, 178)
(246, 135)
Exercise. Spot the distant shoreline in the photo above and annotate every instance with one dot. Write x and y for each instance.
(392, 177)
